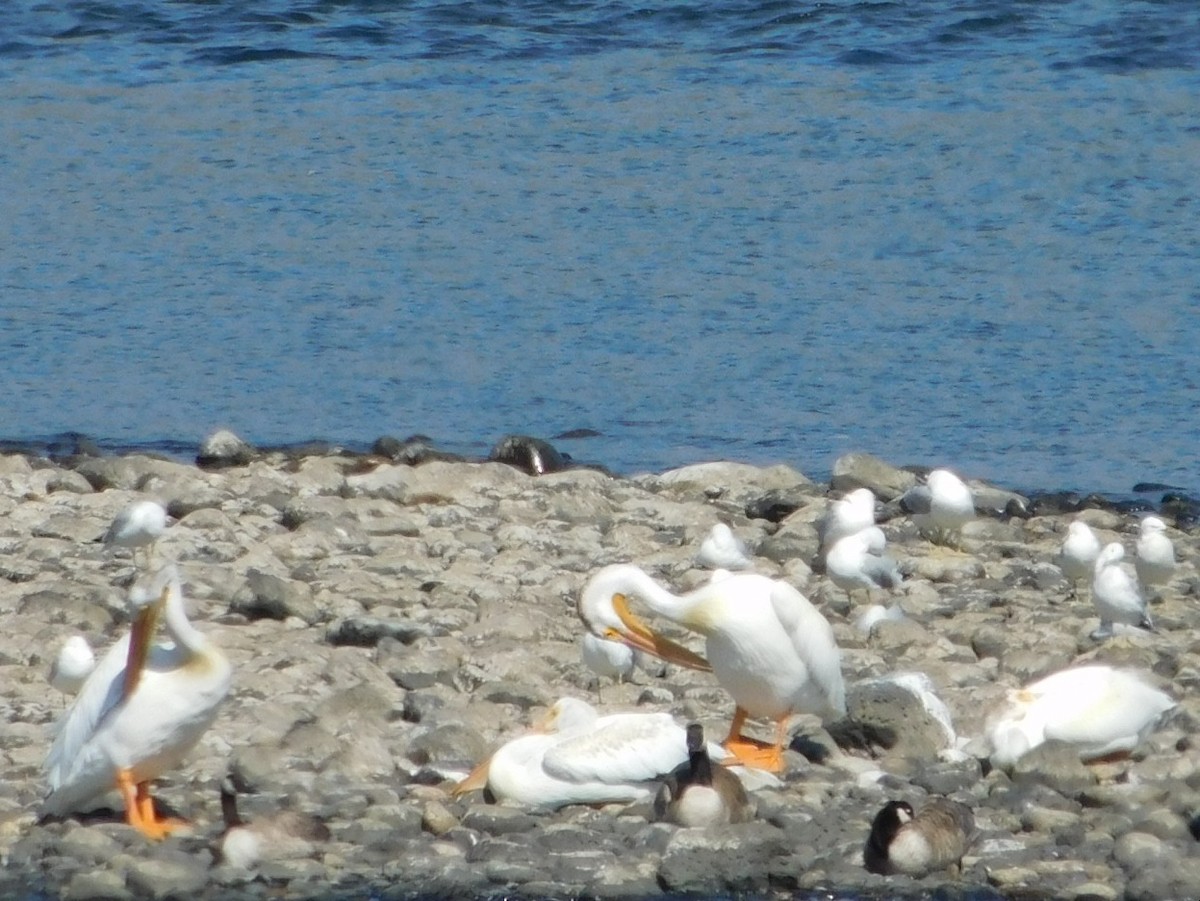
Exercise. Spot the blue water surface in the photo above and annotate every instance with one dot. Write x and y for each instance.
(948, 232)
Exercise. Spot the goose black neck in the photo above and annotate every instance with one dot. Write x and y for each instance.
(229, 811)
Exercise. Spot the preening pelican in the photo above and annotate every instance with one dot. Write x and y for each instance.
(935, 838)
(1116, 594)
(1077, 558)
(700, 791)
(72, 666)
(767, 645)
(940, 507)
(576, 756)
(1155, 554)
(139, 525)
(1099, 709)
(141, 710)
(285, 834)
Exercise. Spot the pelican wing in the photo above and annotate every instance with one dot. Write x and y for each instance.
(631, 747)
(98, 695)
(814, 642)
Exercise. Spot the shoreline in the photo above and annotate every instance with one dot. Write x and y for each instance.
(389, 624)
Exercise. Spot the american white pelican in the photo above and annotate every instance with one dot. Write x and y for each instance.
(940, 507)
(1155, 554)
(73, 665)
(846, 516)
(1077, 558)
(1115, 593)
(283, 835)
(935, 838)
(576, 756)
(767, 645)
(1099, 709)
(857, 563)
(701, 792)
(722, 549)
(139, 525)
(141, 710)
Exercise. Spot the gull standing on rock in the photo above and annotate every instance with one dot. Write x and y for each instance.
(857, 563)
(940, 507)
(1077, 559)
(1155, 554)
(767, 645)
(73, 665)
(139, 525)
(846, 516)
(608, 659)
(1115, 593)
(143, 708)
(722, 549)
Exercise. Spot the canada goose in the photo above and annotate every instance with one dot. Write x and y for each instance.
(699, 792)
(935, 838)
(282, 835)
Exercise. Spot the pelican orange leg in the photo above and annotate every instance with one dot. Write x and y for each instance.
(751, 752)
(139, 809)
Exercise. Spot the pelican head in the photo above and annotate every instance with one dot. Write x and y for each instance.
(147, 599)
(604, 608)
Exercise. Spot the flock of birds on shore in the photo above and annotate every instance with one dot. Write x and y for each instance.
(140, 709)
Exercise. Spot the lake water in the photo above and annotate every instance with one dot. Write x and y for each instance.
(949, 232)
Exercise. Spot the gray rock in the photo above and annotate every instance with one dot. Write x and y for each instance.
(269, 595)
(853, 471)
(727, 859)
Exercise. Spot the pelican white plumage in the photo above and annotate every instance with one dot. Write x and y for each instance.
(577, 756)
(142, 709)
(722, 549)
(72, 666)
(1115, 593)
(1077, 558)
(1154, 558)
(1100, 709)
(940, 507)
(857, 563)
(771, 649)
(138, 526)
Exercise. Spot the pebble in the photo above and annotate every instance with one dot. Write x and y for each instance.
(390, 624)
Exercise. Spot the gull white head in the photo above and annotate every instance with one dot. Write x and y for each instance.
(73, 665)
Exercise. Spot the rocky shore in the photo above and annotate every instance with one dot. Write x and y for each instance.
(393, 617)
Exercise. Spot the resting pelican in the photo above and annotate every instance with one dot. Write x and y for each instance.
(721, 549)
(1077, 559)
(1115, 593)
(139, 525)
(768, 646)
(940, 507)
(576, 756)
(73, 665)
(283, 835)
(139, 713)
(701, 792)
(1099, 709)
(1155, 554)
(935, 838)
